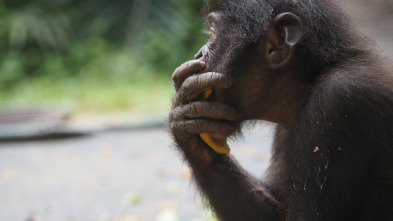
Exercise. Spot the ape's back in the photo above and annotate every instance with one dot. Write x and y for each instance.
(339, 154)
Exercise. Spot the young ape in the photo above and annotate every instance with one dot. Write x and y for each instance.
(299, 64)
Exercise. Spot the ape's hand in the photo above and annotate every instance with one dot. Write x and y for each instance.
(190, 117)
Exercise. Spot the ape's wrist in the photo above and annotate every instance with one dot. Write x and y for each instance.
(196, 152)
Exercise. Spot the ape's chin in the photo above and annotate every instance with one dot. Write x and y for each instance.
(240, 127)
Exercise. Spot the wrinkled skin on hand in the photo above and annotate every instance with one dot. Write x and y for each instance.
(190, 116)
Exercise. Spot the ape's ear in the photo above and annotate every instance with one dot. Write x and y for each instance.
(284, 33)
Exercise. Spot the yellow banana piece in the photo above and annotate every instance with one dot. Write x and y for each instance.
(219, 145)
(207, 94)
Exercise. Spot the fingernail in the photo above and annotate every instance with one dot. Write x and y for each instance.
(202, 63)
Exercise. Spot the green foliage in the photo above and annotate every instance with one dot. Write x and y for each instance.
(96, 54)
(94, 77)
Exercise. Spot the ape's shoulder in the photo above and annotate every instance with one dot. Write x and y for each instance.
(353, 95)
(351, 108)
(358, 84)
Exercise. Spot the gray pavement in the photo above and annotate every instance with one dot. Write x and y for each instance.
(128, 175)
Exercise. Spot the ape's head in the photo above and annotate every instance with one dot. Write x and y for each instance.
(273, 50)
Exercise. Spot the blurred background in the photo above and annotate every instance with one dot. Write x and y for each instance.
(95, 56)
(85, 87)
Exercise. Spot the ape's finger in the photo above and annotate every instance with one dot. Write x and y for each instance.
(193, 86)
(198, 126)
(207, 110)
(185, 70)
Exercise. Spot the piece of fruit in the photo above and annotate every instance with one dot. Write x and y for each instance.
(219, 145)
(207, 94)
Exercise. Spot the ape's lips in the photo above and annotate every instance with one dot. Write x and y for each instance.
(220, 145)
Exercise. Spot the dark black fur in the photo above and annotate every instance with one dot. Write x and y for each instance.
(336, 161)
(330, 38)
(349, 117)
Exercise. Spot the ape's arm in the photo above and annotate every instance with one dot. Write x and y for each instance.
(233, 193)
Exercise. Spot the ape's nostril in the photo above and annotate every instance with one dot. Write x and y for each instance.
(202, 53)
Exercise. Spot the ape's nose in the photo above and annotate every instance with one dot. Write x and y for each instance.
(202, 54)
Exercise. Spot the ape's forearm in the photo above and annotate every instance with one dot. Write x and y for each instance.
(233, 193)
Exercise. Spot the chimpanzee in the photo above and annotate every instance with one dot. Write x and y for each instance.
(302, 65)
